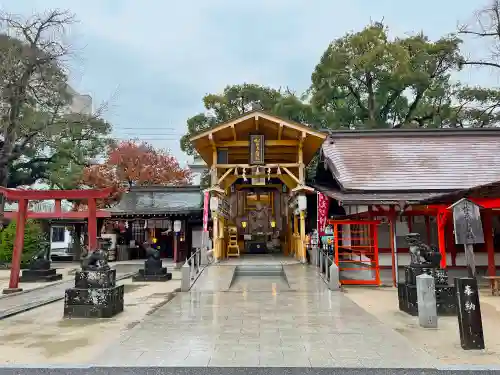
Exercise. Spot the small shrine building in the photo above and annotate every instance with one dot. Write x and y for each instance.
(257, 183)
(406, 180)
(147, 212)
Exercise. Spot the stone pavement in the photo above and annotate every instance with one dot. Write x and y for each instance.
(42, 337)
(306, 326)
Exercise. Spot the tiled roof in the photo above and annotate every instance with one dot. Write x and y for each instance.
(418, 160)
(489, 191)
(375, 198)
(160, 199)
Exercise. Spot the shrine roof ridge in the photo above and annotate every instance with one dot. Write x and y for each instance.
(166, 188)
(397, 132)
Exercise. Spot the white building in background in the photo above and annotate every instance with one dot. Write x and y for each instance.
(80, 103)
(198, 168)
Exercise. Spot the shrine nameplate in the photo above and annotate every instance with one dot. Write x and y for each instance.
(467, 223)
(257, 145)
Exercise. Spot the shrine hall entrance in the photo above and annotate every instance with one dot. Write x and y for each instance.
(259, 223)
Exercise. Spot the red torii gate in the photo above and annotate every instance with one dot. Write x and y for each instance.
(24, 196)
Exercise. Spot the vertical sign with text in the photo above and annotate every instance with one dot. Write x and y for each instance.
(257, 144)
(205, 211)
(323, 204)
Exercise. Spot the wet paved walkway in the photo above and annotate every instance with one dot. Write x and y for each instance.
(306, 326)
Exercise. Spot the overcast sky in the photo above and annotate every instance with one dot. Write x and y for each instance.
(153, 63)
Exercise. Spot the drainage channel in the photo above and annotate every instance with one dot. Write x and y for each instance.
(256, 278)
(50, 294)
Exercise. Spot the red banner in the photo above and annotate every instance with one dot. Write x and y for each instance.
(323, 205)
(205, 211)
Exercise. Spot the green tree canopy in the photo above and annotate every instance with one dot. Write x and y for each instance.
(35, 240)
(41, 138)
(368, 80)
(237, 99)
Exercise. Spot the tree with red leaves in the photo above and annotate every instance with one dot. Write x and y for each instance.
(134, 163)
(139, 163)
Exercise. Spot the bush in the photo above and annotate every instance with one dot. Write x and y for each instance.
(35, 240)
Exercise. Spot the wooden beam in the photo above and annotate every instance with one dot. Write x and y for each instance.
(303, 188)
(274, 165)
(211, 139)
(269, 150)
(224, 175)
(291, 174)
(234, 132)
(256, 120)
(268, 143)
(280, 131)
(288, 181)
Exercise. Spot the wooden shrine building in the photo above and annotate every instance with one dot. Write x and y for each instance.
(257, 192)
(148, 212)
(401, 177)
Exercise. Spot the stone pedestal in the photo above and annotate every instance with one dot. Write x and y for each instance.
(445, 294)
(39, 271)
(36, 276)
(426, 299)
(334, 279)
(95, 295)
(153, 271)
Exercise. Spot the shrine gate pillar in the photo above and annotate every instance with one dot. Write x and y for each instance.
(92, 224)
(488, 241)
(18, 247)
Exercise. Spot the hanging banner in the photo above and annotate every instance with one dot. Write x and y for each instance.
(205, 211)
(323, 203)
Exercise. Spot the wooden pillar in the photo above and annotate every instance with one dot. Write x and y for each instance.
(58, 206)
(215, 234)
(450, 243)
(18, 247)
(392, 234)
(428, 229)
(302, 236)
(301, 165)
(441, 224)
(176, 248)
(92, 224)
(410, 223)
(488, 240)
(295, 232)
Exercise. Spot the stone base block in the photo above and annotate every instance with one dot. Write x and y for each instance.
(32, 276)
(145, 277)
(153, 271)
(12, 290)
(440, 275)
(445, 299)
(95, 279)
(93, 303)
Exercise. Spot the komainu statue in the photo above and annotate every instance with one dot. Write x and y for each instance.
(95, 261)
(422, 254)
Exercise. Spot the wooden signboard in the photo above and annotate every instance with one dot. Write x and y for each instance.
(257, 144)
(224, 207)
(467, 223)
